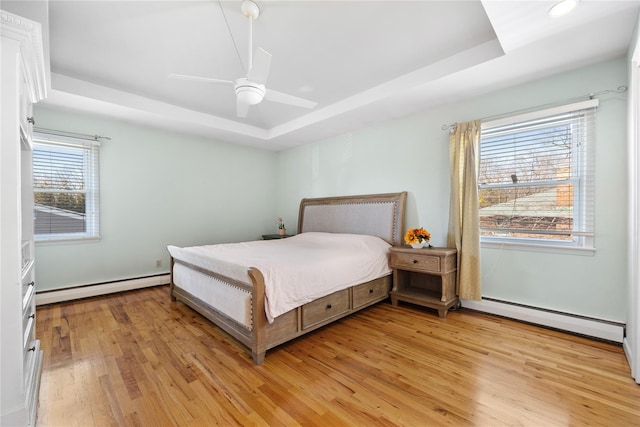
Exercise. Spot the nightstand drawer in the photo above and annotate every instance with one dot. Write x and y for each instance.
(416, 262)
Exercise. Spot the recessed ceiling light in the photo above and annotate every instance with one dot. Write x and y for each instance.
(563, 7)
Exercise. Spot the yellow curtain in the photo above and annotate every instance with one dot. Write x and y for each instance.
(464, 217)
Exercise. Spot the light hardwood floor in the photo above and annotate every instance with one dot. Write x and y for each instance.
(138, 359)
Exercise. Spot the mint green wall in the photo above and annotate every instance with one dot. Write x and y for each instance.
(412, 154)
(159, 188)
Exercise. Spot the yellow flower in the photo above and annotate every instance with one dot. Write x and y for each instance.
(416, 235)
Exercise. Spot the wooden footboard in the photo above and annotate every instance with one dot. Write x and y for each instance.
(263, 335)
(258, 317)
(252, 337)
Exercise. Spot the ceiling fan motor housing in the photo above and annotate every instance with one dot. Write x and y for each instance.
(248, 92)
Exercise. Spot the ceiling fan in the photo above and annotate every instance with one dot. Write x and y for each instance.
(251, 90)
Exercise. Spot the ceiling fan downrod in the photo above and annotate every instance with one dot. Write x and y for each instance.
(251, 10)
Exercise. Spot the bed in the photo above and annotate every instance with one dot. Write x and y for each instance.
(240, 291)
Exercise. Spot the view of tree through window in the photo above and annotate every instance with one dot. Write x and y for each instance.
(533, 179)
(59, 194)
(65, 189)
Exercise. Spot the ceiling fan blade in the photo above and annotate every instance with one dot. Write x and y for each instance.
(241, 109)
(284, 98)
(260, 68)
(198, 79)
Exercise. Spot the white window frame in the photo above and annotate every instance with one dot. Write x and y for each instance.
(584, 197)
(91, 174)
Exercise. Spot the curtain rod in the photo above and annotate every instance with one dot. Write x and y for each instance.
(71, 134)
(620, 89)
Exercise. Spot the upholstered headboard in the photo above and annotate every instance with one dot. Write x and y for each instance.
(379, 215)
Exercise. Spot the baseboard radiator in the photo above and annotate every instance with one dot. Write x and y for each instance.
(86, 291)
(591, 327)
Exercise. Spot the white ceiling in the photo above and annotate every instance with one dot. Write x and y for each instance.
(362, 61)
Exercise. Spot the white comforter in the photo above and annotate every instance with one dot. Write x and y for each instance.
(298, 269)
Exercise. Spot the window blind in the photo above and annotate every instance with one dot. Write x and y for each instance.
(66, 187)
(537, 175)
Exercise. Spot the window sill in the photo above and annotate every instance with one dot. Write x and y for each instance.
(534, 247)
(66, 240)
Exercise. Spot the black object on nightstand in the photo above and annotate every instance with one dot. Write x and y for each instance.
(275, 236)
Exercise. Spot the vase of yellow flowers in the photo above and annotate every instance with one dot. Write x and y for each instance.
(417, 238)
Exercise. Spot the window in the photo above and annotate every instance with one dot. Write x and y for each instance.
(536, 179)
(66, 187)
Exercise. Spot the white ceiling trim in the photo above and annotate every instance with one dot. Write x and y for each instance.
(74, 93)
(453, 64)
(85, 92)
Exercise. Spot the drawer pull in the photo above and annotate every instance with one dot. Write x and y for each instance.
(370, 291)
(32, 348)
(328, 306)
(32, 283)
(415, 261)
(31, 120)
(33, 316)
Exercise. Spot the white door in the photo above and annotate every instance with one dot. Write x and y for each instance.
(632, 339)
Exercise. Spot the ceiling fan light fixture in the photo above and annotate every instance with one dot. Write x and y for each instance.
(250, 93)
(563, 7)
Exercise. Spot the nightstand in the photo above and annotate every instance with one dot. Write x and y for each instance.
(275, 236)
(426, 277)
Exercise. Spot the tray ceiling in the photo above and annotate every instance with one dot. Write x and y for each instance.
(363, 62)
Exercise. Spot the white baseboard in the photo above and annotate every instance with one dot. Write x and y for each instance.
(606, 330)
(68, 294)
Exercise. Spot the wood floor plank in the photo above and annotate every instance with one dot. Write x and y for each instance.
(139, 359)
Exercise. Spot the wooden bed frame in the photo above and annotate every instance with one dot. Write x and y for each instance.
(380, 215)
